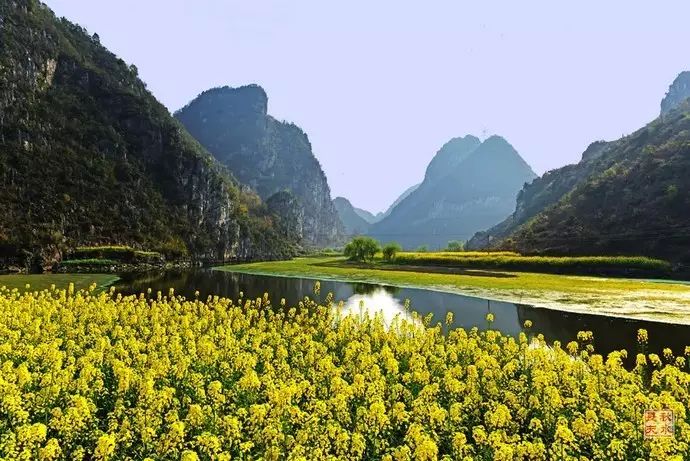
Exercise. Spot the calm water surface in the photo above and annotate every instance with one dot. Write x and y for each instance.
(609, 333)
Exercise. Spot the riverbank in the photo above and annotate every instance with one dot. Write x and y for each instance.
(629, 298)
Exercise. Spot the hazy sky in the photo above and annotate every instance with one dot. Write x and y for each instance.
(379, 86)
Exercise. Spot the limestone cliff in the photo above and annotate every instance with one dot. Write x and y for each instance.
(89, 156)
(264, 153)
(678, 92)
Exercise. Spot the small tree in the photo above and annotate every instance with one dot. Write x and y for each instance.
(455, 245)
(362, 249)
(422, 249)
(390, 250)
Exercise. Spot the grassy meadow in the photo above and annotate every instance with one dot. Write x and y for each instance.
(631, 298)
(45, 281)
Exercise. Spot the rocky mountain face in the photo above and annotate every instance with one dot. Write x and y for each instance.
(352, 220)
(268, 155)
(629, 196)
(449, 156)
(290, 215)
(678, 92)
(89, 156)
(468, 185)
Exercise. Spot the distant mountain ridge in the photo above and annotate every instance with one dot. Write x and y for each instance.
(450, 155)
(371, 218)
(468, 184)
(629, 196)
(401, 197)
(268, 155)
(368, 216)
(353, 222)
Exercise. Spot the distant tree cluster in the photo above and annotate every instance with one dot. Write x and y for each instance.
(362, 249)
(365, 249)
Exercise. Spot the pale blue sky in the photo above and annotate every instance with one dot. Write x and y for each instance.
(379, 86)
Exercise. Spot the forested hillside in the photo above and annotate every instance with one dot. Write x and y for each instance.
(89, 156)
(629, 196)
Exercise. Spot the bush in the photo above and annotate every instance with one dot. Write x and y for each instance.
(455, 245)
(390, 250)
(174, 249)
(89, 262)
(118, 253)
(362, 249)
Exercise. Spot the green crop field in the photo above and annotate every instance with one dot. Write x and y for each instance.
(514, 261)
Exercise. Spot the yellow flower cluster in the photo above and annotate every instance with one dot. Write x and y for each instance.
(105, 377)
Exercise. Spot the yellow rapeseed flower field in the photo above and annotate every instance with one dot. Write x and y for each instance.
(99, 376)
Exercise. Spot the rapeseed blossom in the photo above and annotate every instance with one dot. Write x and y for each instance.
(101, 376)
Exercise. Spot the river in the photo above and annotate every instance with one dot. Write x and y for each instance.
(610, 333)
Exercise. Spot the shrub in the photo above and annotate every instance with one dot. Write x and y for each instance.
(455, 245)
(118, 253)
(89, 262)
(174, 249)
(362, 249)
(390, 250)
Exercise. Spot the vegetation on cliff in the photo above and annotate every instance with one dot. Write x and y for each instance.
(625, 197)
(89, 157)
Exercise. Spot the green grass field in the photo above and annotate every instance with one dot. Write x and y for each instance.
(597, 295)
(44, 281)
